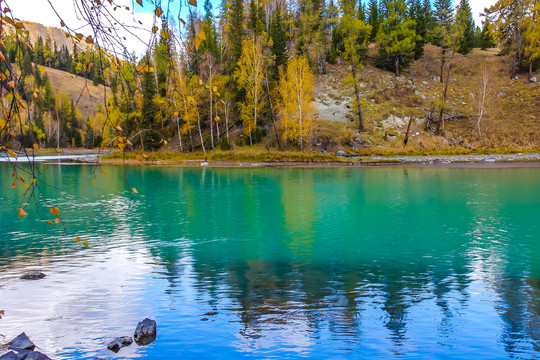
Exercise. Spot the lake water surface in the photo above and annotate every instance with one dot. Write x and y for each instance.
(377, 263)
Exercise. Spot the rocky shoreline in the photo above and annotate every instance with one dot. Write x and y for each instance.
(346, 160)
(458, 159)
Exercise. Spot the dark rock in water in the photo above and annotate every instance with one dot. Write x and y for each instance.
(119, 343)
(145, 333)
(9, 356)
(21, 342)
(204, 319)
(36, 355)
(341, 153)
(23, 354)
(33, 275)
(211, 313)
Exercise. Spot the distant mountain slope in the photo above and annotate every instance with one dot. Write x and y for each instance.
(54, 34)
(82, 91)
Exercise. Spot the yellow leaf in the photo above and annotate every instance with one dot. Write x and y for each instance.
(22, 213)
(154, 29)
(158, 11)
(165, 142)
(165, 34)
(93, 181)
(139, 2)
(22, 179)
(134, 190)
(36, 146)
(14, 185)
(35, 95)
(201, 35)
(4, 45)
(77, 239)
(89, 39)
(121, 146)
(139, 158)
(3, 77)
(57, 220)
(11, 153)
(182, 21)
(2, 57)
(79, 36)
(190, 49)
(27, 186)
(118, 128)
(13, 135)
(193, 2)
(121, 139)
(50, 222)
(11, 84)
(129, 142)
(55, 211)
(85, 243)
(90, 64)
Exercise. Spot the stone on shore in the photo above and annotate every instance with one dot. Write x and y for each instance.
(21, 342)
(145, 333)
(341, 153)
(33, 275)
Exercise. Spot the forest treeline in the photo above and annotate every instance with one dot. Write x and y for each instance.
(248, 65)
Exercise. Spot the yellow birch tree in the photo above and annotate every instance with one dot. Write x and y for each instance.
(296, 95)
(250, 76)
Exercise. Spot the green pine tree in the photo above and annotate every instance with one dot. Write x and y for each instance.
(417, 14)
(465, 28)
(149, 109)
(361, 12)
(279, 44)
(373, 19)
(486, 39)
(236, 33)
(211, 42)
(396, 38)
(444, 19)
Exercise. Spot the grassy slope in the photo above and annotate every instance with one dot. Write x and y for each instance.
(513, 118)
(82, 91)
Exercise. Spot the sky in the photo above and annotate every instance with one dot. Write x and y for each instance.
(40, 11)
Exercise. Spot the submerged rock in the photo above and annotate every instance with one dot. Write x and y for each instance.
(23, 354)
(33, 275)
(36, 355)
(21, 342)
(119, 343)
(9, 356)
(145, 333)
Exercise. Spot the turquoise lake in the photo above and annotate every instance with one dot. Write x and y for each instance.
(345, 263)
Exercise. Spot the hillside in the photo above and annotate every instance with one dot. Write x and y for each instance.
(512, 119)
(82, 91)
(54, 34)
